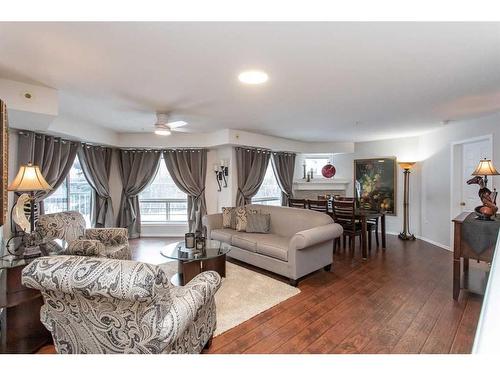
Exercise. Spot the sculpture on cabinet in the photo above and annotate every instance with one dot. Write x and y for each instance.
(488, 198)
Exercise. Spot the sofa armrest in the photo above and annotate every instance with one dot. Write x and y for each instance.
(211, 222)
(108, 236)
(84, 248)
(313, 236)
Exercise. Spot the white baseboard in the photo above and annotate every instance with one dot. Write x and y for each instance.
(446, 247)
(427, 240)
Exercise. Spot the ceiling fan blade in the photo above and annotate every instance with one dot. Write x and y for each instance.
(183, 130)
(176, 124)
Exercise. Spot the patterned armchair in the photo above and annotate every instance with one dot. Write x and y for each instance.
(70, 227)
(97, 306)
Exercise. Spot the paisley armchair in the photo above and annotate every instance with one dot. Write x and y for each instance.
(98, 305)
(69, 226)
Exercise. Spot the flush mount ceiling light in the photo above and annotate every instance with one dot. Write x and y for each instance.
(253, 77)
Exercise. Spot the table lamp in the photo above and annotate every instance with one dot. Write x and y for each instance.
(30, 179)
(405, 234)
(485, 168)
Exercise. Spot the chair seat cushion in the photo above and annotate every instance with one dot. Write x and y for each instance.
(223, 235)
(274, 246)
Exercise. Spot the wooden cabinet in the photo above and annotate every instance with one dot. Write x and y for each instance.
(21, 330)
(463, 251)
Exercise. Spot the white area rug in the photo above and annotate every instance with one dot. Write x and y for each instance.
(243, 294)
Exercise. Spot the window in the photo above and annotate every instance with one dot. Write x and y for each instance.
(316, 163)
(162, 201)
(74, 194)
(269, 192)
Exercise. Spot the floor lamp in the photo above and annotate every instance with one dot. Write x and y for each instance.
(405, 234)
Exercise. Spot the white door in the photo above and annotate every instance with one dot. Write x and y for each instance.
(472, 153)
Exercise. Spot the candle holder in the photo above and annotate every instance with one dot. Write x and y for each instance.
(189, 240)
(221, 174)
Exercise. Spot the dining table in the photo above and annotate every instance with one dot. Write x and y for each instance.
(363, 215)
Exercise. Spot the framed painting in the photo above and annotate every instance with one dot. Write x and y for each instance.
(375, 184)
(4, 156)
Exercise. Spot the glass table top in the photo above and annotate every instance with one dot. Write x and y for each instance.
(178, 251)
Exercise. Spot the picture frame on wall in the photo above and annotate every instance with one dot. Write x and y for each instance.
(375, 184)
(4, 155)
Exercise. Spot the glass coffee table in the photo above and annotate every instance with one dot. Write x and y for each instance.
(192, 262)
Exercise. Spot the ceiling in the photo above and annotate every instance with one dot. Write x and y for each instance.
(328, 81)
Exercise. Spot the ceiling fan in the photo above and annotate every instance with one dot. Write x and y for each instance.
(164, 127)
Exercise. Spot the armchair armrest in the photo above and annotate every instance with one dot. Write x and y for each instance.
(108, 236)
(313, 236)
(185, 303)
(84, 248)
(211, 222)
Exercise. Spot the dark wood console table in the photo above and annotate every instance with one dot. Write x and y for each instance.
(21, 329)
(463, 250)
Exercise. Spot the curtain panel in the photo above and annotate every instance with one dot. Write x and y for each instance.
(188, 169)
(137, 170)
(283, 166)
(251, 165)
(53, 155)
(96, 166)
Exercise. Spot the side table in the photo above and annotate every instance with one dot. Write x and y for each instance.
(21, 330)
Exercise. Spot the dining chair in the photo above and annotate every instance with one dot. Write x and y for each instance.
(297, 203)
(318, 205)
(344, 212)
(372, 224)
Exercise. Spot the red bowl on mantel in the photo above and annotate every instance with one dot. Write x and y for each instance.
(328, 171)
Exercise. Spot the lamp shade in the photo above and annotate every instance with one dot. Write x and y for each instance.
(406, 164)
(29, 178)
(485, 168)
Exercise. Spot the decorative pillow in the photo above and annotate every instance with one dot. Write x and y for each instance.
(258, 223)
(229, 217)
(241, 218)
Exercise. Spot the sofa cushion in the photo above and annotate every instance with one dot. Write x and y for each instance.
(245, 241)
(286, 221)
(242, 217)
(223, 235)
(229, 217)
(258, 223)
(274, 246)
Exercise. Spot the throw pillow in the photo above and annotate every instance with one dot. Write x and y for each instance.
(258, 223)
(241, 218)
(229, 217)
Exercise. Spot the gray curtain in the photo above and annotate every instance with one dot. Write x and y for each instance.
(283, 166)
(137, 170)
(251, 165)
(53, 155)
(188, 169)
(96, 165)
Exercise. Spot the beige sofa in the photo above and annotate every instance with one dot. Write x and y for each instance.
(300, 241)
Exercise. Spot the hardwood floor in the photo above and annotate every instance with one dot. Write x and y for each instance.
(399, 301)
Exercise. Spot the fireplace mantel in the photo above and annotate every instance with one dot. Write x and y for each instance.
(321, 184)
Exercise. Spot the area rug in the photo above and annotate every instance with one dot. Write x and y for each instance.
(243, 294)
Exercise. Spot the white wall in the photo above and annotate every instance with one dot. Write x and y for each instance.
(435, 151)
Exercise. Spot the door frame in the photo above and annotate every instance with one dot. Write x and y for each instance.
(454, 147)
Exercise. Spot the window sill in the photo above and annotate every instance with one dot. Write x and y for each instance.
(164, 223)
